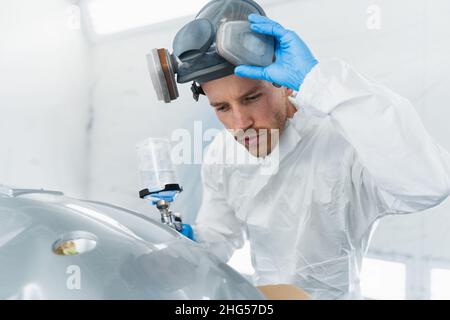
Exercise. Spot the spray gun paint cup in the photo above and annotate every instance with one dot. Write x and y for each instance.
(157, 173)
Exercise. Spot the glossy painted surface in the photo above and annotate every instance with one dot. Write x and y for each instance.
(55, 247)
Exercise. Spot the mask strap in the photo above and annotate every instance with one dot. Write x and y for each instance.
(196, 90)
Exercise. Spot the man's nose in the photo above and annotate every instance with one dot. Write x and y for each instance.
(242, 118)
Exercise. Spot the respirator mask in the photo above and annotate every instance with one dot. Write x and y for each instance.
(209, 48)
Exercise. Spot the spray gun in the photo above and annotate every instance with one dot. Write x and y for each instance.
(158, 179)
(162, 200)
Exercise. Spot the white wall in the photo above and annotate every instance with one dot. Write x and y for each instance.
(44, 97)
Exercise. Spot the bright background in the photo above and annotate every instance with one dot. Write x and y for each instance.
(76, 96)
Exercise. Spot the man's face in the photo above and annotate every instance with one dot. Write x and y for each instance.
(251, 109)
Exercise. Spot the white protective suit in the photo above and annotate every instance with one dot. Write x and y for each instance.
(352, 153)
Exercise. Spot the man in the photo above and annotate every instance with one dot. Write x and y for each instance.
(350, 152)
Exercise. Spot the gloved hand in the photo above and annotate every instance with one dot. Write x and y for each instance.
(187, 231)
(293, 61)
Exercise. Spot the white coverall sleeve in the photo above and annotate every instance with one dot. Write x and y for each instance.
(216, 226)
(403, 169)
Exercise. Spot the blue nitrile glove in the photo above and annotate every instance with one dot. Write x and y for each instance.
(293, 61)
(187, 231)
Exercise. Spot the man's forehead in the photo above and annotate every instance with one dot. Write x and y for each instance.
(231, 87)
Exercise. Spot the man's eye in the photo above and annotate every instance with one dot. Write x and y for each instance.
(222, 109)
(253, 98)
